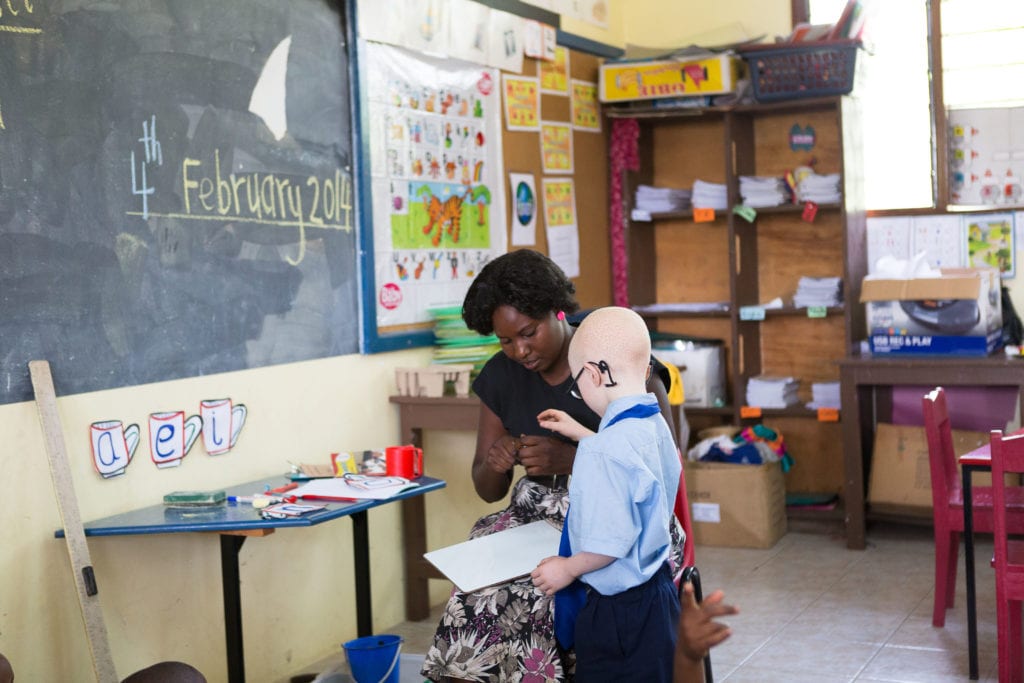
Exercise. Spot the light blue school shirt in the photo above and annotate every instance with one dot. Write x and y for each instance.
(621, 496)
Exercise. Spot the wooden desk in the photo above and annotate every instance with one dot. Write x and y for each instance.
(234, 523)
(860, 376)
(416, 414)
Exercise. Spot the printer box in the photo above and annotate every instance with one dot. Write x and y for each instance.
(739, 506)
(959, 313)
(701, 366)
(648, 80)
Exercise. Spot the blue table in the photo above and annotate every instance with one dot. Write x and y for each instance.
(235, 522)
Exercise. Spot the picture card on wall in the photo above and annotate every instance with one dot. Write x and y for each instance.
(556, 147)
(506, 42)
(524, 209)
(522, 102)
(469, 32)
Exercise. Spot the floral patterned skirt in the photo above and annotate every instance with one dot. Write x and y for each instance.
(507, 632)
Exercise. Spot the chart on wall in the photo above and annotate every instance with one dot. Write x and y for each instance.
(986, 156)
(438, 198)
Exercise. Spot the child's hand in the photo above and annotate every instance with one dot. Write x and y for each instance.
(552, 574)
(698, 632)
(559, 422)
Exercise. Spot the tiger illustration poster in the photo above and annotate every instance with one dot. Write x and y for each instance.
(438, 200)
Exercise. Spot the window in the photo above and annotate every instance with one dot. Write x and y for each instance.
(893, 88)
(982, 69)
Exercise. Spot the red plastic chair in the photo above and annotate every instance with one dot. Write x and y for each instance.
(1007, 456)
(690, 572)
(948, 502)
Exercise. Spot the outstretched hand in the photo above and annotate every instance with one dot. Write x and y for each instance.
(560, 422)
(698, 630)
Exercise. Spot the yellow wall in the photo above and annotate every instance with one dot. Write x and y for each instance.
(663, 23)
(660, 23)
(161, 595)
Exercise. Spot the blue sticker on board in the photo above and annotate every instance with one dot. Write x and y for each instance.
(801, 138)
(525, 204)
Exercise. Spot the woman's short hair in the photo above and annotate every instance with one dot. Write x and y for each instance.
(526, 280)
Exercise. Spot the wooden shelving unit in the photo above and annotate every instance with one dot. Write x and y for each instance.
(674, 259)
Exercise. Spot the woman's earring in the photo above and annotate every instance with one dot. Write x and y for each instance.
(560, 315)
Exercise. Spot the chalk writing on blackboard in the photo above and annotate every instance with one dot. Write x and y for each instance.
(10, 10)
(254, 197)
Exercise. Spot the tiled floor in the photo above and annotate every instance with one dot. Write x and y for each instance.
(813, 611)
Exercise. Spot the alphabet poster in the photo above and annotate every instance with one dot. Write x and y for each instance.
(438, 192)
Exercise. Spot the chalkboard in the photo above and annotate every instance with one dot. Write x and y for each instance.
(175, 189)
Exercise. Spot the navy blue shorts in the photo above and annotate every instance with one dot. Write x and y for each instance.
(630, 636)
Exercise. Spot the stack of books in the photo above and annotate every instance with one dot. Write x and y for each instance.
(456, 343)
(818, 291)
(820, 189)
(772, 392)
(662, 199)
(761, 191)
(709, 195)
(824, 395)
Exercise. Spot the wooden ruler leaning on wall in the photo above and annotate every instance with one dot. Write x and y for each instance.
(74, 533)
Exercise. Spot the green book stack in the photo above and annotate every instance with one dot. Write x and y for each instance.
(456, 343)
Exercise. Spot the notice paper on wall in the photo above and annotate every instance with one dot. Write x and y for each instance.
(496, 558)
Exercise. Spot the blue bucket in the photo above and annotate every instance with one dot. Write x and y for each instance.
(374, 659)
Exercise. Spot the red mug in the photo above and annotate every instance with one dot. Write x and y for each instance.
(404, 461)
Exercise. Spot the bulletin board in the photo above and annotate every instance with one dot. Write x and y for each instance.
(521, 152)
(589, 176)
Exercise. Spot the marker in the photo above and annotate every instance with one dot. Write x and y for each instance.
(253, 499)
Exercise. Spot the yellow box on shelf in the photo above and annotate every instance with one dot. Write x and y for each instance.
(648, 80)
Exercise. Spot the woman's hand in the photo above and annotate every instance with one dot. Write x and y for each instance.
(542, 455)
(502, 455)
(560, 422)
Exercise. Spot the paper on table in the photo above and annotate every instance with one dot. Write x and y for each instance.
(354, 486)
(497, 558)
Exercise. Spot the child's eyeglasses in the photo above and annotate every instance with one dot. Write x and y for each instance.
(602, 366)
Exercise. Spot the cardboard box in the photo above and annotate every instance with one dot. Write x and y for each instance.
(959, 313)
(740, 506)
(900, 479)
(702, 368)
(648, 80)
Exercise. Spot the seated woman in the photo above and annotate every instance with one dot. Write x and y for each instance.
(506, 632)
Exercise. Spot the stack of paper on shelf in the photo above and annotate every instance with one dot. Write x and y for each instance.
(772, 392)
(709, 195)
(761, 191)
(818, 291)
(662, 199)
(820, 189)
(824, 395)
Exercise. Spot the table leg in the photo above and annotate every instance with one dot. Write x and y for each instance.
(361, 540)
(972, 617)
(229, 548)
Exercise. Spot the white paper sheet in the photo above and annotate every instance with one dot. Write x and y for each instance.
(497, 558)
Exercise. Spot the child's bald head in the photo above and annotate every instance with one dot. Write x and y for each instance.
(619, 337)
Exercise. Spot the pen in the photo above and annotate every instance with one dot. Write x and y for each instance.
(282, 489)
(250, 499)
